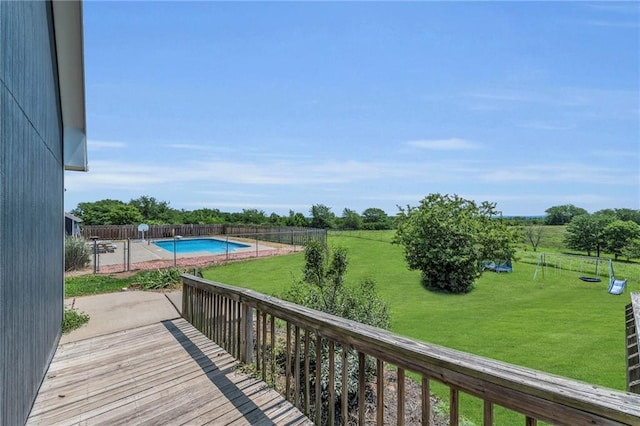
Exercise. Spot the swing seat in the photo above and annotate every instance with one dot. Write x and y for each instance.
(590, 279)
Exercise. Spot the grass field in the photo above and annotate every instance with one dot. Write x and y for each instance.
(558, 324)
(85, 285)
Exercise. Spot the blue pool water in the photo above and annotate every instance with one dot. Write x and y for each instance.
(209, 245)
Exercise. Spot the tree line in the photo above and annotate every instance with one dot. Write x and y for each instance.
(614, 231)
(149, 210)
(445, 236)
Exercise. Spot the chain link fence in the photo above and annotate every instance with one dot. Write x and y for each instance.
(114, 249)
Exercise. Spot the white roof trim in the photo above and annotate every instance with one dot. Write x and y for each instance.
(67, 23)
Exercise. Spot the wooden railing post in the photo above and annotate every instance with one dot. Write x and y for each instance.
(632, 320)
(246, 330)
(185, 301)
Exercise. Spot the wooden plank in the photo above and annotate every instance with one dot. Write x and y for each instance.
(202, 413)
(111, 398)
(318, 404)
(426, 401)
(89, 386)
(307, 382)
(126, 361)
(287, 371)
(487, 414)
(454, 407)
(70, 380)
(361, 387)
(400, 391)
(331, 385)
(380, 392)
(180, 377)
(344, 408)
(296, 367)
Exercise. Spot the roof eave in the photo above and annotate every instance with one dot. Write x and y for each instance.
(67, 22)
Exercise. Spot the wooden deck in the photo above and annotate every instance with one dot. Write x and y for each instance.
(163, 374)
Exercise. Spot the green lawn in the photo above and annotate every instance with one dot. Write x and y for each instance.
(558, 324)
(85, 285)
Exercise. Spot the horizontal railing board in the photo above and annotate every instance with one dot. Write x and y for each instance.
(499, 382)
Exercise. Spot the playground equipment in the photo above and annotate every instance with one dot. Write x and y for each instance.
(617, 286)
(591, 268)
(502, 266)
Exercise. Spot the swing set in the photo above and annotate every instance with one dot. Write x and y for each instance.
(591, 268)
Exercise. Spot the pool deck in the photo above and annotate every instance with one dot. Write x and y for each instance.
(146, 255)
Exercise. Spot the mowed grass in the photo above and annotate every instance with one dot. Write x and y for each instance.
(558, 324)
(85, 285)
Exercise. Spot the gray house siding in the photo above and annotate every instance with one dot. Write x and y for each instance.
(31, 205)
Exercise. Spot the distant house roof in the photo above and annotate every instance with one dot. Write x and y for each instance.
(67, 23)
(72, 217)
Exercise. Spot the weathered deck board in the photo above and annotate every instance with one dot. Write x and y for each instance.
(166, 373)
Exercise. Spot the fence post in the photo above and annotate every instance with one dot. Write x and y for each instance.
(128, 254)
(95, 254)
(246, 338)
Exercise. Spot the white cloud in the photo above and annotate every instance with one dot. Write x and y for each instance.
(189, 146)
(452, 144)
(246, 205)
(95, 145)
(562, 173)
(232, 194)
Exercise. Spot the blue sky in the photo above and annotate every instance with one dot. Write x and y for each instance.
(279, 106)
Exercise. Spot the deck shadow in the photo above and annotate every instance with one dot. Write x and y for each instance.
(240, 401)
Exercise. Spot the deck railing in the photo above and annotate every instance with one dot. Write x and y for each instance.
(632, 321)
(251, 326)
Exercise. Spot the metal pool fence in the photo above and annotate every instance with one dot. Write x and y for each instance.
(111, 255)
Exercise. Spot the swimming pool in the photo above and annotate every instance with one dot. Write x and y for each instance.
(199, 245)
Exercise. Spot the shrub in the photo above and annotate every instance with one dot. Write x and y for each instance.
(323, 288)
(77, 254)
(160, 278)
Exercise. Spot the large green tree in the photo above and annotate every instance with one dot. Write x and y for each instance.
(619, 235)
(322, 217)
(586, 233)
(376, 219)
(107, 212)
(622, 214)
(632, 249)
(562, 215)
(202, 216)
(350, 220)
(296, 219)
(154, 211)
(446, 237)
(254, 217)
